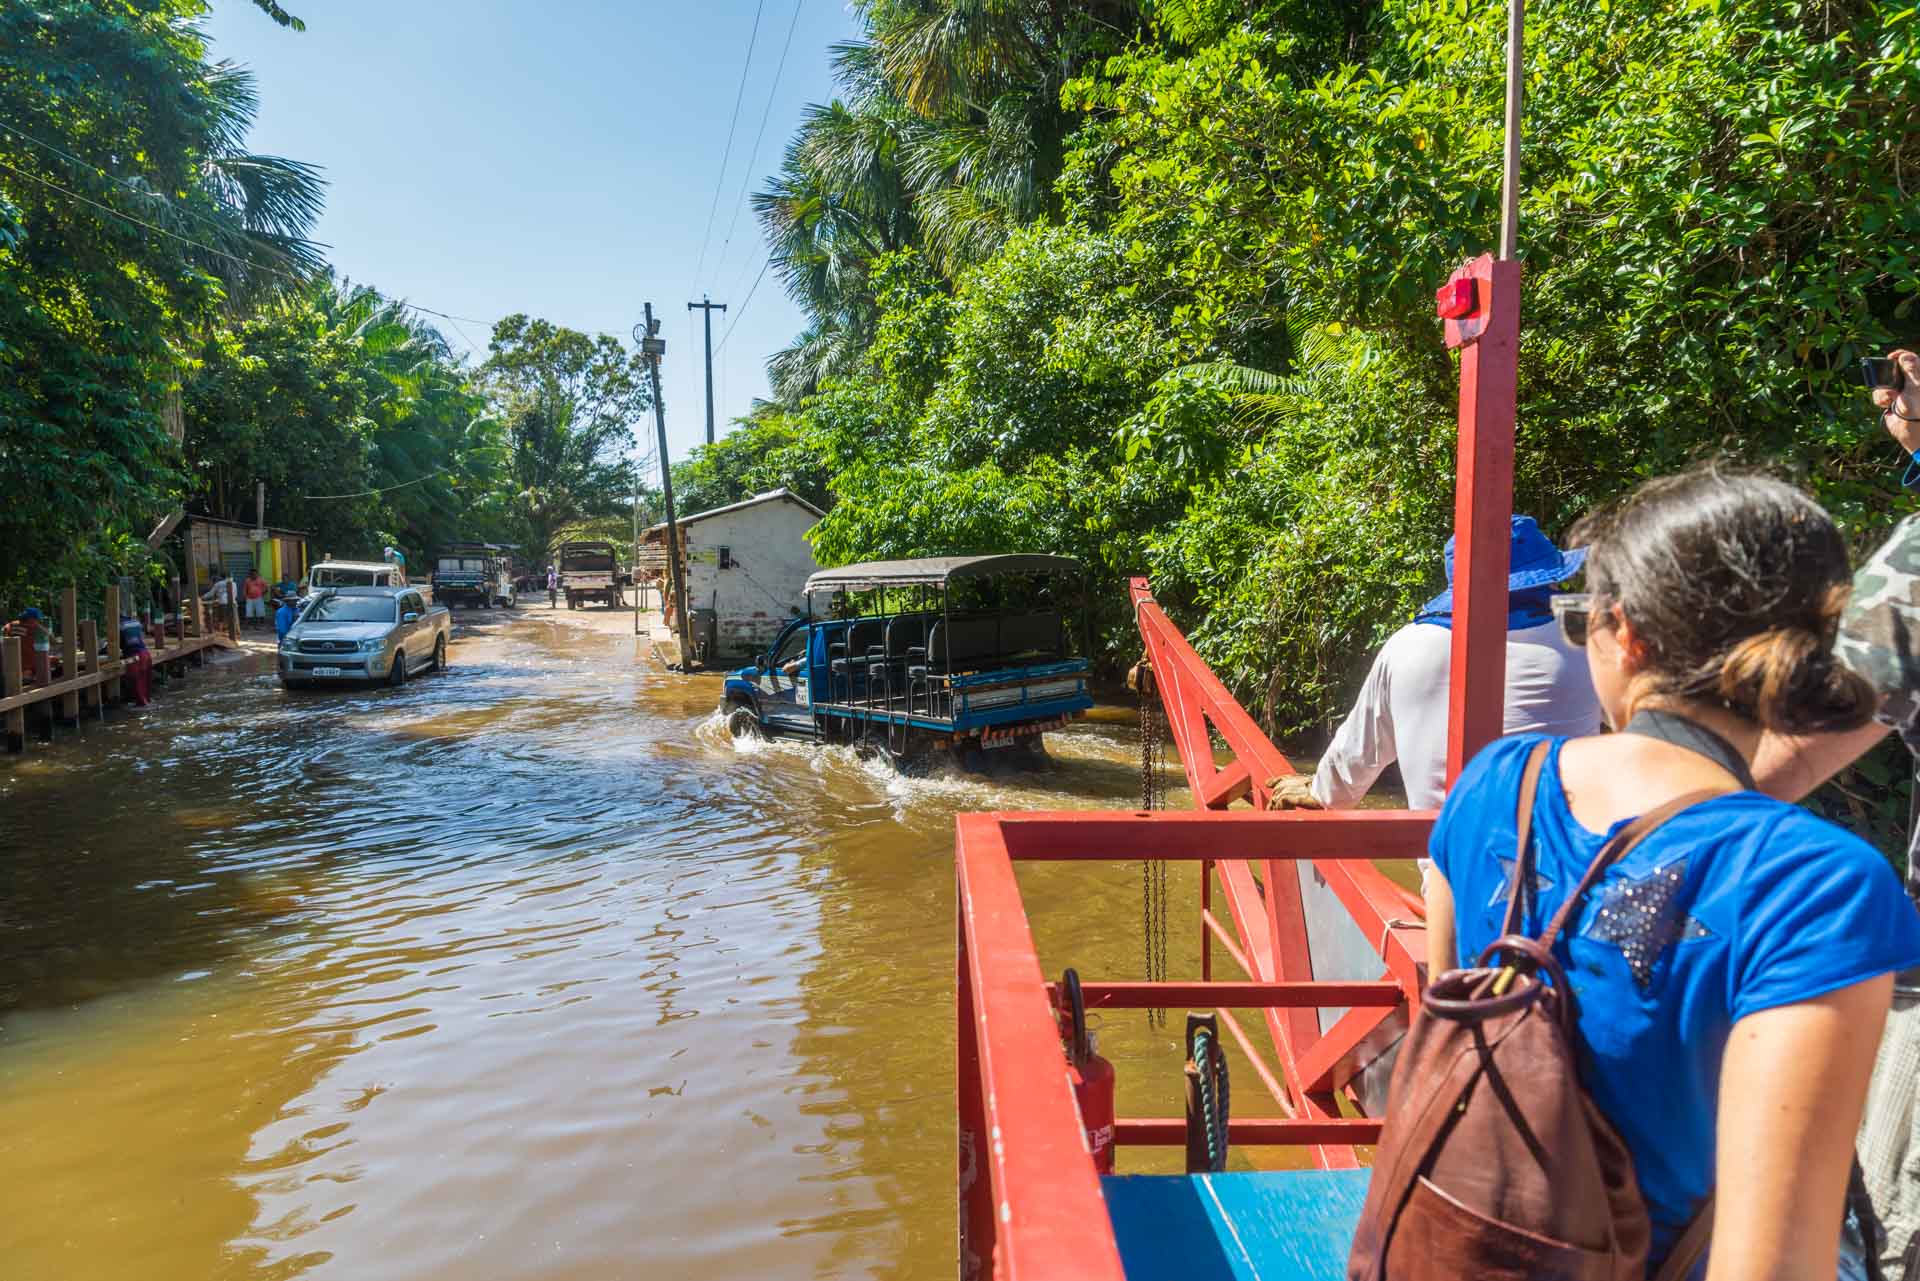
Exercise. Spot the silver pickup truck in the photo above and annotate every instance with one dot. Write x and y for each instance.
(364, 634)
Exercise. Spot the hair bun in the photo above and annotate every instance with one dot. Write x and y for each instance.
(1786, 678)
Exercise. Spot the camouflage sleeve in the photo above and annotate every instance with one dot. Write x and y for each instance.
(1880, 630)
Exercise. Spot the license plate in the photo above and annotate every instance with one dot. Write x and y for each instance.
(326, 671)
(993, 744)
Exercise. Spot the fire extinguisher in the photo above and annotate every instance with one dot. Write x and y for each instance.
(1092, 1077)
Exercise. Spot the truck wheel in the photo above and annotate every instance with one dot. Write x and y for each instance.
(440, 654)
(742, 723)
(397, 674)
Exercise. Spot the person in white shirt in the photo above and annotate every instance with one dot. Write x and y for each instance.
(1401, 713)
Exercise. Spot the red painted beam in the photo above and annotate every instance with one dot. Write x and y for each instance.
(1236, 996)
(1033, 1179)
(1318, 1065)
(1288, 835)
(1489, 345)
(1274, 1131)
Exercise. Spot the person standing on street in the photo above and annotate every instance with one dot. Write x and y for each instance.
(254, 589)
(553, 588)
(283, 617)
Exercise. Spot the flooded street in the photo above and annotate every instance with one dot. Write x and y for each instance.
(522, 970)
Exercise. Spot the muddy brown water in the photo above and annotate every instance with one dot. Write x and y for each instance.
(522, 971)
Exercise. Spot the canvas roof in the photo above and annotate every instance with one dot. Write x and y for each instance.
(936, 570)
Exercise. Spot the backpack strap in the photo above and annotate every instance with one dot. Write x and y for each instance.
(1692, 1244)
(1523, 829)
(1618, 848)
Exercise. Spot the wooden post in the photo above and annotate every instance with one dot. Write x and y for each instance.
(90, 663)
(12, 663)
(112, 691)
(193, 587)
(156, 632)
(70, 651)
(233, 613)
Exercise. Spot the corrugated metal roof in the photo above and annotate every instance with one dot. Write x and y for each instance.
(936, 570)
(771, 496)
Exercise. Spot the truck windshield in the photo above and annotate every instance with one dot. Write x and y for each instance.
(454, 564)
(351, 609)
(344, 578)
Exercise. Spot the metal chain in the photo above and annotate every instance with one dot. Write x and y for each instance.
(1153, 872)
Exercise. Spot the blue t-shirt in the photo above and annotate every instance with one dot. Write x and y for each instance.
(283, 620)
(1738, 904)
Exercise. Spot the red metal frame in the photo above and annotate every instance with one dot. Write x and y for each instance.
(1031, 1204)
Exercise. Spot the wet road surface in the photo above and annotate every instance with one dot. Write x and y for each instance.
(524, 970)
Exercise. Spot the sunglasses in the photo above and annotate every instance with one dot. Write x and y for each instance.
(1570, 610)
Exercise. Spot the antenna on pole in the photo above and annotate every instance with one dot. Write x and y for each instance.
(1510, 161)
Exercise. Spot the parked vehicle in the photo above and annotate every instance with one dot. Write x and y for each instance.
(478, 575)
(356, 573)
(955, 654)
(589, 572)
(364, 634)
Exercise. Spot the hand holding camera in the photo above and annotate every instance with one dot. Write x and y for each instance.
(1894, 380)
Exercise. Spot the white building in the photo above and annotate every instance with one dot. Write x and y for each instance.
(746, 564)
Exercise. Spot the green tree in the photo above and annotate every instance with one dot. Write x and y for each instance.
(131, 215)
(567, 403)
(768, 449)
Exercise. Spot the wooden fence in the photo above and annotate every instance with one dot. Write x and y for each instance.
(89, 680)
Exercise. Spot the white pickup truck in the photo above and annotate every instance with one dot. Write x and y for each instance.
(364, 634)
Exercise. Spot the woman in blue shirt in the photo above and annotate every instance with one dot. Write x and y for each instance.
(1730, 974)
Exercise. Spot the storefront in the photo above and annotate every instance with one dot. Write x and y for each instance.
(222, 547)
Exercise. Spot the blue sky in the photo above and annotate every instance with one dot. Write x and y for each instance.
(560, 158)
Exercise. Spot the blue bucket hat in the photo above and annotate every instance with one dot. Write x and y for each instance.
(31, 613)
(1532, 561)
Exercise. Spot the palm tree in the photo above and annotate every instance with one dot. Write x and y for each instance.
(948, 136)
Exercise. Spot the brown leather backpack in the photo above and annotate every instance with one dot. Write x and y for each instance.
(1494, 1164)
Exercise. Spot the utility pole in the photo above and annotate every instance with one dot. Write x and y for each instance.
(652, 346)
(709, 308)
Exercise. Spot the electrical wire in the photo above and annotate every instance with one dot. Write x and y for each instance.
(738, 315)
(368, 493)
(720, 183)
(746, 183)
(129, 185)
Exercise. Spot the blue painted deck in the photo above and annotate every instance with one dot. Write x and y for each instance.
(1263, 1225)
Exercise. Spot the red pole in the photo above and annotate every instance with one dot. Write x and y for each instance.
(1489, 341)
(1481, 304)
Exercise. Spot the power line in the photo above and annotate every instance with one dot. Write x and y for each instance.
(747, 182)
(743, 307)
(129, 185)
(725, 156)
(368, 493)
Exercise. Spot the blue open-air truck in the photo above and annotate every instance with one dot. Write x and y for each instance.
(962, 655)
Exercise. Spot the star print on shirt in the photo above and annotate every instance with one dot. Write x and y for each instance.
(1500, 891)
(1639, 917)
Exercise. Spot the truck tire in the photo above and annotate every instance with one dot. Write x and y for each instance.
(742, 723)
(439, 655)
(397, 674)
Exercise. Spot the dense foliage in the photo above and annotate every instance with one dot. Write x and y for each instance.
(1208, 351)
(169, 335)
